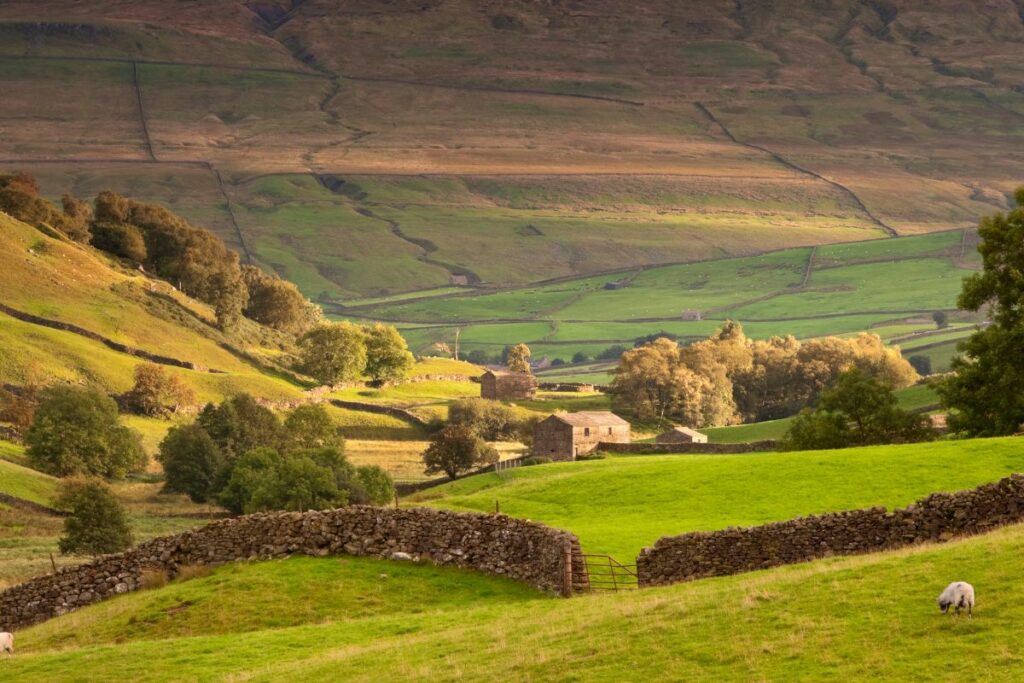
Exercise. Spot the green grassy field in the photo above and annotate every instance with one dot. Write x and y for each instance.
(610, 503)
(22, 482)
(848, 288)
(820, 621)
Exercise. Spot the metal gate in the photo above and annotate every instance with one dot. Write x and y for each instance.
(603, 573)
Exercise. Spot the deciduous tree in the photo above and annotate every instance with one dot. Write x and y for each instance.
(333, 352)
(97, 523)
(455, 449)
(76, 430)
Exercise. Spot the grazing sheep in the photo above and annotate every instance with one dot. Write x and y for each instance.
(957, 595)
(7, 643)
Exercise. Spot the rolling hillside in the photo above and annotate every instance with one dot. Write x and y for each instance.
(813, 622)
(438, 135)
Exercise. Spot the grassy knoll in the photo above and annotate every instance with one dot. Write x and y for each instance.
(621, 504)
(822, 621)
(243, 597)
(27, 484)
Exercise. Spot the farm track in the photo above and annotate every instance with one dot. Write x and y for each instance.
(891, 231)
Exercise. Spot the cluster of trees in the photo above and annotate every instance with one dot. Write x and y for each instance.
(19, 197)
(984, 391)
(240, 455)
(729, 378)
(461, 445)
(345, 352)
(190, 257)
(857, 411)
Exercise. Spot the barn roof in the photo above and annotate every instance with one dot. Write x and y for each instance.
(685, 430)
(591, 418)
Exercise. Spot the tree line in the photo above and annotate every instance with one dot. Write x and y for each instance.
(729, 378)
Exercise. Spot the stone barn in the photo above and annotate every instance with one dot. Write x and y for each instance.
(508, 386)
(681, 435)
(564, 436)
(691, 315)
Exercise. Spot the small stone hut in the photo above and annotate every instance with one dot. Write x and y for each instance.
(681, 435)
(508, 386)
(691, 315)
(564, 436)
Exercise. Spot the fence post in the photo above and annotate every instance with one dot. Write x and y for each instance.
(567, 571)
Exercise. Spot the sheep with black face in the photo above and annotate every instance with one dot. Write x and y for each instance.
(958, 595)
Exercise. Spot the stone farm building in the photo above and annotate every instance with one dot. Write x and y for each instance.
(564, 436)
(508, 386)
(681, 435)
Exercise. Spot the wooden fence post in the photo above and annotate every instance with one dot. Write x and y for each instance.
(567, 571)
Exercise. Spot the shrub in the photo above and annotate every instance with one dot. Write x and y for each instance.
(18, 409)
(97, 524)
(152, 578)
(922, 364)
(75, 430)
(455, 449)
(534, 460)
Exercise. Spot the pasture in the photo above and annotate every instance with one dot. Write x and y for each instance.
(621, 504)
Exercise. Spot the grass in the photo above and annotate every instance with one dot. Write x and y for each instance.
(245, 597)
(27, 484)
(609, 503)
(820, 621)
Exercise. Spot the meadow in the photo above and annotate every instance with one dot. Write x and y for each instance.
(812, 622)
(621, 504)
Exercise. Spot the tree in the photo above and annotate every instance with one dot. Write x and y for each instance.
(387, 355)
(76, 431)
(121, 240)
(519, 358)
(192, 462)
(922, 364)
(857, 411)
(305, 479)
(157, 392)
(310, 426)
(333, 352)
(941, 319)
(489, 420)
(455, 449)
(983, 392)
(580, 357)
(377, 483)
(97, 523)
(240, 424)
(77, 215)
(277, 303)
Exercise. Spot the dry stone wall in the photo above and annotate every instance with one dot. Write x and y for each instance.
(939, 517)
(495, 544)
(677, 448)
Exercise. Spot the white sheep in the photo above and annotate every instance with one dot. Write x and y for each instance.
(957, 595)
(7, 642)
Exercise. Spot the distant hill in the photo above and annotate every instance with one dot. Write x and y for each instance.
(373, 148)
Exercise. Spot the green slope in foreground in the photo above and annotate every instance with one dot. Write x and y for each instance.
(871, 617)
(621, 504)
